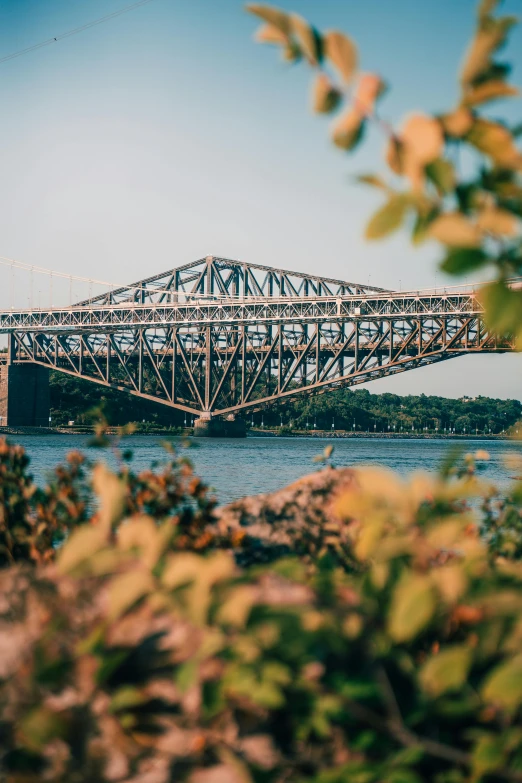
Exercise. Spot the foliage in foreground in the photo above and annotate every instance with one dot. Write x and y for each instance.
(473, 209)
(145, 653)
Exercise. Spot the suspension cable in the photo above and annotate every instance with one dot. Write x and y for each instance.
(150, 290)
(74, 31)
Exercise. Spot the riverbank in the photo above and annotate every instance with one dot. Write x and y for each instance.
(263, 433)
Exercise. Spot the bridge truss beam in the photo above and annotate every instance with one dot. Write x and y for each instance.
(215, 368)
(218, 337)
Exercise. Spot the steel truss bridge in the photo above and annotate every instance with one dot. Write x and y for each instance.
(218, 336)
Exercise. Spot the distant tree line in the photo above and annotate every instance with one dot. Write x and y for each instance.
(359, 410)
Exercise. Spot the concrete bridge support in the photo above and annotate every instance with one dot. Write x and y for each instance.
(24, 395)
(231, 427)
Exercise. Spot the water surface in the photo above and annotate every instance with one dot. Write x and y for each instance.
(235, 468)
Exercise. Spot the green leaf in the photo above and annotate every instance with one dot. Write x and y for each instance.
(460, 260)
(388, 218)
(126, 698)
(504, 686)
(40, 726)
(422, 225)
(442, 174)
(187, 675)
(413, 606)
(486, 7)
(373, 180)
(503, 307)
(401, 775)
(446, 671)
(487, 755)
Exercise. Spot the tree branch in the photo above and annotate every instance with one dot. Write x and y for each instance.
(395, 728)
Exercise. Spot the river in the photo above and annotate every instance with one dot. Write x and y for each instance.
(235, 468)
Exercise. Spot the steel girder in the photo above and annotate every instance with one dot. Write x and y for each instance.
(225, 277)
(214, 368)
(202, 311)
(218, 336)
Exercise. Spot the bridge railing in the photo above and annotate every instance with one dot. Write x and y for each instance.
(170, 297)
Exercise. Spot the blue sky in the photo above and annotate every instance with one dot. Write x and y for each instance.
(167, 134)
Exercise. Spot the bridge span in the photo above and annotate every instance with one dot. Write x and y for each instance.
(218, 337)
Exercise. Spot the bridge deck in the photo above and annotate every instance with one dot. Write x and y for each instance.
(191, 310)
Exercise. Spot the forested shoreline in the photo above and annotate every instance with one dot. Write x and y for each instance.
(358, 410)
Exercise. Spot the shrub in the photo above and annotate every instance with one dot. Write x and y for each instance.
(395, 658)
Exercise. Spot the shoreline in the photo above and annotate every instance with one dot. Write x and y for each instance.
(272, 433)
(345, 435)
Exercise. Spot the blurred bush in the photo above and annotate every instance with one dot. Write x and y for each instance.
(387, 649)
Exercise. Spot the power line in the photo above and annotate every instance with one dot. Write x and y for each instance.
(74, 31)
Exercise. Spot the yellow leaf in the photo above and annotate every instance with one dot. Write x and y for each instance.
(498, 221)
(446, 671)
(373, 180)
(348, 130)
(325, 97)
(369, 537)
(237, 606)
(413, 605)
(496, 141)
(342, 53)
(126, 589)
(187, 567)
(451, 581)
(80, 546)
(270, 34)
(423, 138)
(455, 230)
(111, 492)
(273, 16)
(309, 39)
(457, 123)
(478, 57)
(369, 88)
(489, 91)
(388, 218)
(144, 534)
(291, 53)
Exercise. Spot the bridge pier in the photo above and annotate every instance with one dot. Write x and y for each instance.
(231, 427)
(24, 395)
